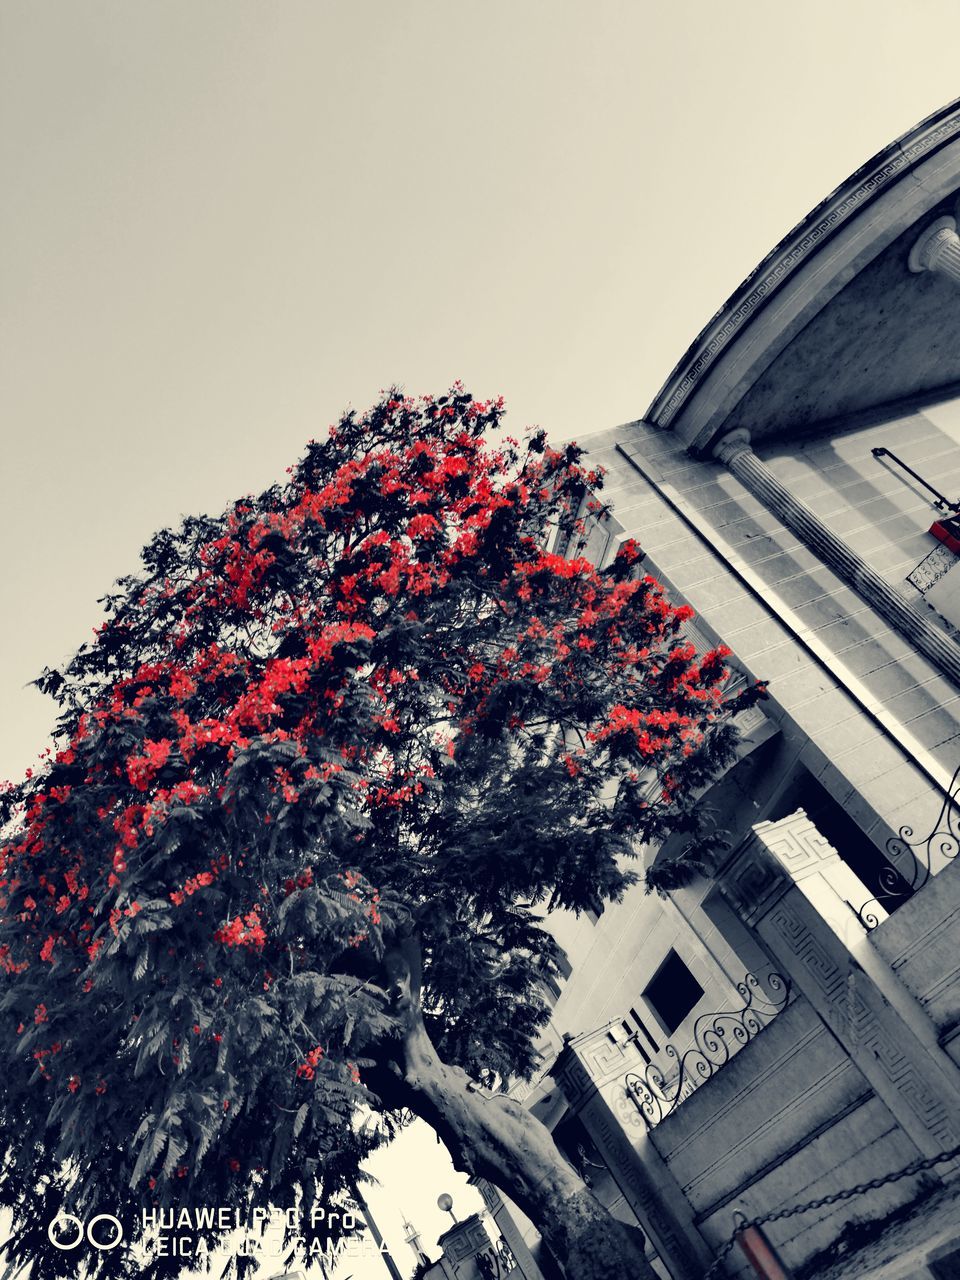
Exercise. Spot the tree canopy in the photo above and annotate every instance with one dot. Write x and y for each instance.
(367, 706)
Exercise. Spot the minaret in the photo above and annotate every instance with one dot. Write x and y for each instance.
(413, 1240)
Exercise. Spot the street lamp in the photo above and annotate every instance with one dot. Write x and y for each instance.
(445, 1202)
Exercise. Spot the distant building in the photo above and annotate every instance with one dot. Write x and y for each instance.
(788, 1025)
(471, 1252)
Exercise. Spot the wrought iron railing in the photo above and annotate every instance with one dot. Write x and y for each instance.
(911, 860)
(940, 501)
(716, 1038)
(497, 1261)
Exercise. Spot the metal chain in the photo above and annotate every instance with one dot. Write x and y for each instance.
(915, 1166)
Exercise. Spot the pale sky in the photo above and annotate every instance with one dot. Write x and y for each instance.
(224, 221)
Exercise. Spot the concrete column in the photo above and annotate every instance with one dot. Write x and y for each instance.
(463, 1245)
(735, 452)
(590, 1072)
(938, 249)
(528, 1269)
(784, 885)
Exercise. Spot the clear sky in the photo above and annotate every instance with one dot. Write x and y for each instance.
(223, 221)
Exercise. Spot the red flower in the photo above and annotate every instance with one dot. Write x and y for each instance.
(141, 770)
(423, 526)
(306, 1069)
(243, 931)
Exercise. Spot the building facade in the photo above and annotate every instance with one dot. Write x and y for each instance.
(787, 1026)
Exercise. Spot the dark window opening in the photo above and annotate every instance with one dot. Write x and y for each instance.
(672, 992)
(579, 1149)
(595, 910)
(551, 986)
(553, 983)
(597, 542)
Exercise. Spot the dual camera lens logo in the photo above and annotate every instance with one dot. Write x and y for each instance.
(67, 1232)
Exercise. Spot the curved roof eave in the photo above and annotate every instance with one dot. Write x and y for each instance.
(794, 282)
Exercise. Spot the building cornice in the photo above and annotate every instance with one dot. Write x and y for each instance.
(845, 230)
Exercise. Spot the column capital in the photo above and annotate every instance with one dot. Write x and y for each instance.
(732, 445)
(936, 247)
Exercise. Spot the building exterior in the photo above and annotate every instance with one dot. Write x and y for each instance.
(788, 1025)
(473, 1250)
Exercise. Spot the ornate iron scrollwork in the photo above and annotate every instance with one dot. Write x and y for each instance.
(497, 1261)
(895, 883)
(716, 1038)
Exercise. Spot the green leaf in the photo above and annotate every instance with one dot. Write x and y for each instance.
(300, 1119)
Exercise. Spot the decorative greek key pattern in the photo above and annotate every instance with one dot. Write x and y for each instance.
(601, 1058)
(491, 1197)
(754, 882)
(467, 1242)
(749, 721)
(634, 1182)
(817, 962)
(869, 1038)
(797, 844)
(572, 1077)
(786, 258)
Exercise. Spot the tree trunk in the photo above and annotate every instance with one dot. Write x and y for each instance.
(494, 1137)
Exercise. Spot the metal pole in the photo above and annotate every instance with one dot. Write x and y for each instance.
(388, 1261)
(942, 502)
(759, 1252)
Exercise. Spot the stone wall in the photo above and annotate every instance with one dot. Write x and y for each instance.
(870, 719)
(790, 1118)
(921, 944)
(858, 1075)
(884, 515)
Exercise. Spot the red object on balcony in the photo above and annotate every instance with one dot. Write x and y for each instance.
(947, 531)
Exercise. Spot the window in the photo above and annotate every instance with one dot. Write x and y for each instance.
(598, 542)
(595, 910)
(553, 985)
(672, 992)
(642, 1026)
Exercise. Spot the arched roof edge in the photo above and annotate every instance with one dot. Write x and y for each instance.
(883, 171)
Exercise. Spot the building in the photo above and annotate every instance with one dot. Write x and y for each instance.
(788, 1026)
(475, 1249)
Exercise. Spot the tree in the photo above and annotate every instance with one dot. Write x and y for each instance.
(326, 765)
